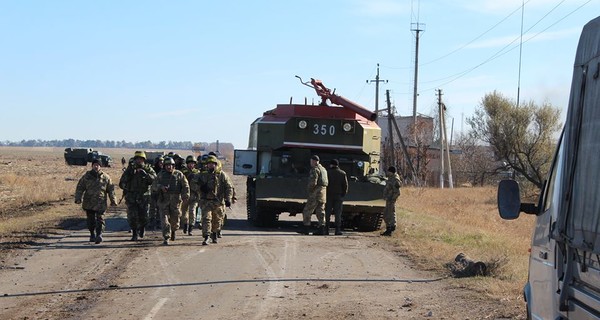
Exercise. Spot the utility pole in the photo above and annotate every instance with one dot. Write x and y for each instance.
(377, 88)
(392, 155)
(450, 182)
(417, 29)
(441, 124)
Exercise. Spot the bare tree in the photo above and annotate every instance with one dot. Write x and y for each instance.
(476, 164)
(523, 137)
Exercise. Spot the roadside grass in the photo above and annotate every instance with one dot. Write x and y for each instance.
(435, 225)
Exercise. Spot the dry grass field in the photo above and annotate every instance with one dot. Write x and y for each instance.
(433, 225)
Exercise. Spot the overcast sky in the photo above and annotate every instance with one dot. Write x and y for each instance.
(204, 70)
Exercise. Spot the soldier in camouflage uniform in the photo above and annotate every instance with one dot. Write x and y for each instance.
(173, 188)
(391, 192)
(94, 188)
(154, 219)
(215, 190)
(317, 187)
(188, 208)
(136, 182)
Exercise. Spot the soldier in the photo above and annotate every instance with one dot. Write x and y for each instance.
(317, 184)
(336, 190)
(215, 190)
(136, 182)
(188, 208)
(94, 187)
(173, 188)
(178, 162)
(154, 220)
(391, 192)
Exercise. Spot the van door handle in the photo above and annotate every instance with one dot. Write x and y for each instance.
(543, 255)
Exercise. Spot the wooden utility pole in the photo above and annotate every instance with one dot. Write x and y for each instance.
(450, 183)
(392, 155)
(377, 88)
(441, 125)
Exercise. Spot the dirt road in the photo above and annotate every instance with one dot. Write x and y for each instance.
(251, 273)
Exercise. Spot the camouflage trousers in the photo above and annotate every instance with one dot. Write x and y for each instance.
(188, 211)
(169, 208)
(317, 205)
(389, 213)
(95, 221)
(137, 210)
(212, 216)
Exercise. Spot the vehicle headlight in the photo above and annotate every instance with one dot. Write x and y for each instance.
(302, 124)
(347, 127)
(360, 164)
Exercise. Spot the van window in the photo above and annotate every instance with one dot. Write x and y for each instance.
(551, 183)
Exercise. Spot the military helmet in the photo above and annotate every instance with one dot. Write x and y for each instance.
(140, 154)
(159, 159)
(168, 160)
(212, 159)
(204, 157)
(190, 158)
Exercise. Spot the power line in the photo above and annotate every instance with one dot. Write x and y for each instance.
(502, 51)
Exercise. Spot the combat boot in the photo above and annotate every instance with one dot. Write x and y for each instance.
(135, 235)
(205, 242)
(387, 232)
(213, 237)
(142, 230)
(338, 231)
(219, 234)
(172, 235)
(185, 228)
(319, 231)
(190, 228)
(305, 230)
(92, 236)
(166, 241)
(98, 238)
(326, 230)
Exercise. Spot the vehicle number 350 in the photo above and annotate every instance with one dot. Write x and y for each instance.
(323, 129)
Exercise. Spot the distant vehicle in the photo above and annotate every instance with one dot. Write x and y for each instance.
(564, 263)
(81, 157)
(152, 155)
(282, 141)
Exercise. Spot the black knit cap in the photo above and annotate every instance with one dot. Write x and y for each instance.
(392, 169)
(315, 157)
(334, 162)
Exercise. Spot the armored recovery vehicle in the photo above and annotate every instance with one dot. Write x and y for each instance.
(277, 161)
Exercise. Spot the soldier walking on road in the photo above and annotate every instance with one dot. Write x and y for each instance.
(188, 208)
(391, 192)
(215, 190)
(136, 182)
(173, 188)
(317, 185)
(336, 191)
(154, 219)
(95, 188)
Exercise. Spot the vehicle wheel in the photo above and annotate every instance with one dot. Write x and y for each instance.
(370, 221)
(251, 201)
(265, 217)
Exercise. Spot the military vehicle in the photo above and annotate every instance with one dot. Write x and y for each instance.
(81, 157)
(277, 161)
(152, 155)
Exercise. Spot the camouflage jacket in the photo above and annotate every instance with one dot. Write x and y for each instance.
(317, 178)
(175, 183)
(93, 189)
(392, 187)
(215, 186)
(192, 177)
(137, 183)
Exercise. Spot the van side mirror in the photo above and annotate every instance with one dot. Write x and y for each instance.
(509, 201)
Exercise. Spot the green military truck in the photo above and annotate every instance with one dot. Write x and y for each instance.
(277, 161)
(81, 157)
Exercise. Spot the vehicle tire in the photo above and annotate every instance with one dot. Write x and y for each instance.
(251, 200)
(266, 217)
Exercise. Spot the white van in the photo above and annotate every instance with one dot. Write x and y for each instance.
(564, 265)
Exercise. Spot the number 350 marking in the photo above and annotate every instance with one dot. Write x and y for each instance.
(323, 129)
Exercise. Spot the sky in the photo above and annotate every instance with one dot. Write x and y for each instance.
(203, 71)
